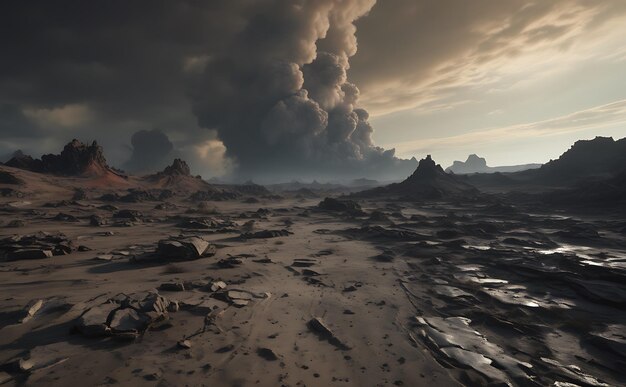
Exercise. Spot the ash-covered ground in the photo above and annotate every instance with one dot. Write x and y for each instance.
(167, 280)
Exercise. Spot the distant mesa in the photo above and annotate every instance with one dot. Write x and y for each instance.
(76, 159)
(475, 164)
(429, 181)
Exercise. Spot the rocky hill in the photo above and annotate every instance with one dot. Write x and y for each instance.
(601, 157)
(177, 176)
(429, 181)
(76, 159)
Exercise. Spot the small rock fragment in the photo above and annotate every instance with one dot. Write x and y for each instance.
(172, 287)
(320, 328)
(33, 308)
(267, 354)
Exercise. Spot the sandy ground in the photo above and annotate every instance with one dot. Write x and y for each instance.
(523, 322)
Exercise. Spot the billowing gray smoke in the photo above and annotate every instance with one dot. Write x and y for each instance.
(268, 76)
(279, 97)
(152, 150)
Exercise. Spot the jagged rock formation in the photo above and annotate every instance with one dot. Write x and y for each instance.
(429, 181)
(178, 177)
(475, 164)
(178, 168)
(76, 159)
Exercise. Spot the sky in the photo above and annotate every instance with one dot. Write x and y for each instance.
(275, 90)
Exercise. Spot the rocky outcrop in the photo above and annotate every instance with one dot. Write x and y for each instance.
(429, 181)
(601, 157)
(178, 168)
(76, 159)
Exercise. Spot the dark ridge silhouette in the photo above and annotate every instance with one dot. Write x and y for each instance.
(585, 161)
(76, 159)
(601, 157)
(22, 161)
(429, 181)
(475, 164)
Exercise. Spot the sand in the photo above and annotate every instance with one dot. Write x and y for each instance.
(541, 298)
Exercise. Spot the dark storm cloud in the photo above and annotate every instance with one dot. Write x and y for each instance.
(119, 66)
(276, 81)
(296, 113)
(151, 150)
(250, 70)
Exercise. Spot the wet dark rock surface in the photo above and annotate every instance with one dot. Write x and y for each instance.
(522, 303)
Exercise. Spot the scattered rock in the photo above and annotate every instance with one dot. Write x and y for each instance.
(225, 349)
(229, 263)
(132, 215)
(341, 205)
(266, 234)
(353, 287)
(184, 248)
(218, 285)
(127, 323)
(29, 254)
(97, 221)
(34, 246)
(304, 262)
(31, 310)
(166, 206)
(319, 327)
(16, 223)
(62, 217)
(172, 287)
(267, 354)
(124, 317)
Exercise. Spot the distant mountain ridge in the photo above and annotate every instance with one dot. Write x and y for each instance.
(585, 162)
(475, 164)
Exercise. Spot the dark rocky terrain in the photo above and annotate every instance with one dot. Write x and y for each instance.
(167, 279)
